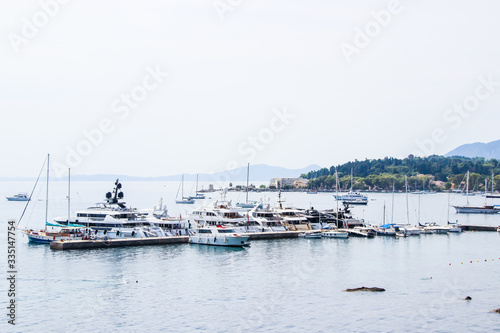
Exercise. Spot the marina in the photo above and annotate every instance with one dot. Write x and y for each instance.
(154, 269)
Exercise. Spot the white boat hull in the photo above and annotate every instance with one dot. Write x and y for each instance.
(476, 210)
(219, 240)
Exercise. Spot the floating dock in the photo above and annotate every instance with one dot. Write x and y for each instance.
(96, 244)
(477, 227)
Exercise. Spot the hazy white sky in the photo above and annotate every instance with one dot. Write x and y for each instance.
(280, 82)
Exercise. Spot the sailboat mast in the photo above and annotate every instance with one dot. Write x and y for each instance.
(248, 174)
(69, 194)
(351, 179)
(196, 184)
(492, 182)
(407, 207)
(467, 185)
(418, 215)
(383, 217)
(47, 192)
(448, 210)
(182, 187)
(392, 210)
(337, 197)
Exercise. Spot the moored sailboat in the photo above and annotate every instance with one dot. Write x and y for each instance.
(468, 209)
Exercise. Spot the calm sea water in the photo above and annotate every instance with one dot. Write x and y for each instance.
(293, 285)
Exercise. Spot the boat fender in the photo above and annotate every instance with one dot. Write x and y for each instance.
(215, 239)
(225, 239)
(53, 237)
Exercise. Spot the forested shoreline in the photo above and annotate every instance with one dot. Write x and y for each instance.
(424, 173)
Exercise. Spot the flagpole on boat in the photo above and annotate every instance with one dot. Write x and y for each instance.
(47, 192)
(69, 194)
(392, 208)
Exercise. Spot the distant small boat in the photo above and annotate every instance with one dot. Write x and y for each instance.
(312, 192)
(352, 198)
(183, 200)
(247, 204)
(198, 196)
(19, 197)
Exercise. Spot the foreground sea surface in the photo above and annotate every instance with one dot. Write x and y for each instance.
(290, 285)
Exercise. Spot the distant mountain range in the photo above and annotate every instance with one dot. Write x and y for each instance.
(487, 150)
(258, 172)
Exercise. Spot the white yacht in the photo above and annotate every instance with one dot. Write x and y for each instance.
(222, 213)
(468, 209)
(268, 220)
(112, 219)
(292, 218)
(352, 198)
(218, 235)
(171, 226)
(19, 197)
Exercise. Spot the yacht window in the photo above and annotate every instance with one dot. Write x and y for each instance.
(227, 231)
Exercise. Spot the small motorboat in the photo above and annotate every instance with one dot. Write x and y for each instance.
(219, 236)
(19, 197)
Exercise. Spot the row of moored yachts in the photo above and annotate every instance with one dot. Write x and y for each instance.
(216, 223)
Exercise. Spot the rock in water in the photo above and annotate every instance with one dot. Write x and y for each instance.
(468, 298)
(372, 289)
(497, 310)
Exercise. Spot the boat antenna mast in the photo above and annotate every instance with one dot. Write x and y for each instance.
(47, 191)
(407, 207)
(112, 198)
(248, 174)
